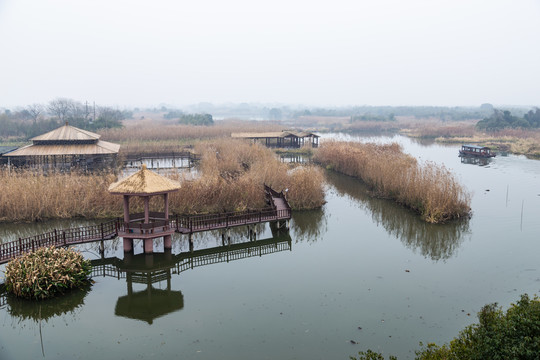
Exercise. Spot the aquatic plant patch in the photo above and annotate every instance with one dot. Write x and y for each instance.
(46, 272)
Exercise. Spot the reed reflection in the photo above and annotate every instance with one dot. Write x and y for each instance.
(434, 241)
(308, 225)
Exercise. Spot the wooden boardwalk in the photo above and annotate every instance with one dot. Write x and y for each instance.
(278, 211)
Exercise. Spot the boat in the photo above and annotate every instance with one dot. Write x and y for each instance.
(476, 151)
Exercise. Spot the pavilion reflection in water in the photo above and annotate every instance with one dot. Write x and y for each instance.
(150, 269)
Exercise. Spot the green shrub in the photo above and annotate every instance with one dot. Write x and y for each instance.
(46, 272)
(498, 336)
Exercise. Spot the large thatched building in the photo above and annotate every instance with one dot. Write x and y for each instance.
(65, 148)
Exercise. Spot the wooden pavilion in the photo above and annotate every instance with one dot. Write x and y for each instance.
(146, 225)
(65, 148)
(283, 139)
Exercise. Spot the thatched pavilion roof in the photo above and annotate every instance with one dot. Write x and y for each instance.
(144, 182)
(98, 148)
(67, 133)
(67, 140)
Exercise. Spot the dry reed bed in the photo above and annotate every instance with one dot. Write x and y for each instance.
(232, 174)
(429, 189)
(160, 136)
(149, 130)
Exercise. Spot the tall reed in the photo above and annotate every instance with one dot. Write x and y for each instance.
(28, 195)
(232, 174)
(427, 188)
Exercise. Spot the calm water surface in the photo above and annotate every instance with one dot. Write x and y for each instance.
(360, 269)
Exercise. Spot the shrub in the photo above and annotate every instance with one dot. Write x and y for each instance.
(46, 273)
(498, 336)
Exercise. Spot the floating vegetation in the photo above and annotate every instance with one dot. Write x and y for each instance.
(46, 273)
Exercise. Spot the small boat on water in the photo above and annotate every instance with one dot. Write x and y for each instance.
(476, 151)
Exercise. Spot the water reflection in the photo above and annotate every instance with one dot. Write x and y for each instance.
(308, 225)
(13, 231)
(23, 309)
(472, 160)
(434, 241)
(292, 158)
(155, 269)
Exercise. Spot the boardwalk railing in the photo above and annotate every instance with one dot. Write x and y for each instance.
(186, 224)
(63, 237)
(272, 195)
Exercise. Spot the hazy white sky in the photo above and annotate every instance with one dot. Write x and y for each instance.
(339, 52)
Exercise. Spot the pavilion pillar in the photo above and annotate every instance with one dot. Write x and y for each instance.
(148, 246)
(166, 205)
(167, 239)
(128, 245)
(126, 208)
(146, 209)
(167, 242)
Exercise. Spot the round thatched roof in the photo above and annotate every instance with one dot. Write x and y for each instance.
(144, 182)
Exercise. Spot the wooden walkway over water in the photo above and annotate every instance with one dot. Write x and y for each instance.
(279, 211)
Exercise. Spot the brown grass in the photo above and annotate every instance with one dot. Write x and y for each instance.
(30, 196)
(439, 129)
(232, 174)
(159, 136)
(428, 189)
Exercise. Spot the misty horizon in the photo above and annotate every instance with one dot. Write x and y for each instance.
(344, 53)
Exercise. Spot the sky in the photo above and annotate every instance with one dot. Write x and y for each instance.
(316, 53)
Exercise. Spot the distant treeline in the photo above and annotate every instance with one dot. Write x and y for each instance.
(36, 119)
(190, 119)
(383, 113)
(370, 117)
(357, 113)
(503, 119)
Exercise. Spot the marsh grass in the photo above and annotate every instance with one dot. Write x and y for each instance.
(231, 178)
(28, 195)
(155, 136)
(428, 188)
(46, 273)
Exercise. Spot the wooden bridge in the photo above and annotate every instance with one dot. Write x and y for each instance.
(279, 211)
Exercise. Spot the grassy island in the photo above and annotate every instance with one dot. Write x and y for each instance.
(429, 189)
(46, 272)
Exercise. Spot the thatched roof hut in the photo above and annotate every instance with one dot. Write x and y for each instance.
(66, 146)
(144, 182)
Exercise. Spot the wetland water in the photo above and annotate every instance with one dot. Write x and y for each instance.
(360, 269)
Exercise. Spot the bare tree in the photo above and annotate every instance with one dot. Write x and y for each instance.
(35, 111)
(60, 107)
